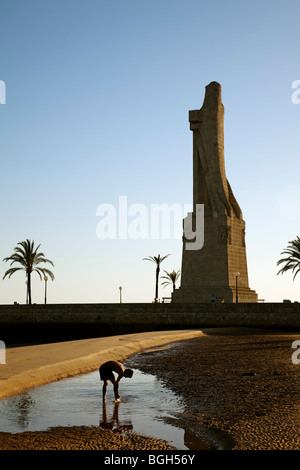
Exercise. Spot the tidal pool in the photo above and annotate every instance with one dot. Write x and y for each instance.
(78, 402)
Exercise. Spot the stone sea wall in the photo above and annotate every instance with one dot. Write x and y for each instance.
(64, 322)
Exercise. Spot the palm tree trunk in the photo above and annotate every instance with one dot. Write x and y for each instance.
(156, 286)
(29, 287)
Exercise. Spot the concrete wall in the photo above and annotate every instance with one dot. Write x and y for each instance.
(63, 322)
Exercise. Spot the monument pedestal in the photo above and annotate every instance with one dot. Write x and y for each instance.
(204, 295)
(217, 268)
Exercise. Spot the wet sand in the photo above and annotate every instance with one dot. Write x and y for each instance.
(240, 389)
(80, 438)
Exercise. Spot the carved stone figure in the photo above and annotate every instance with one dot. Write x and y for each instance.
(213, 268)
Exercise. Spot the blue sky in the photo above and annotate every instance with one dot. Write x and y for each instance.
(97, 101)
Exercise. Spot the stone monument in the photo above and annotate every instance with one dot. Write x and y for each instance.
(219, 268)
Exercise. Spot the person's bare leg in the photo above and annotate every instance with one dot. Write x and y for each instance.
(105, 382)
(116, 389)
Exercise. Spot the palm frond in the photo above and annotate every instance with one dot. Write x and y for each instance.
(11, 271)
(49, 273)
(41, 259)
(292, 261)
(16, 258)
(150, 258)
(164, 257)
(42, 272)
(170, 278)
(156, 259)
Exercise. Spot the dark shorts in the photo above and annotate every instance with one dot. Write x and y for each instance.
(106, 372)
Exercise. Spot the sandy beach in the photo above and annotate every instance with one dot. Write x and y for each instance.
(240, 387)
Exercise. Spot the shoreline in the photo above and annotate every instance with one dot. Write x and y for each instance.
(35, 365)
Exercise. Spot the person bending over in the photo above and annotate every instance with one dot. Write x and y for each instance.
(106, 371)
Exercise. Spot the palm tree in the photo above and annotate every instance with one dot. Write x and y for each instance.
(171, 278)
(293, 260)
(28, 257)
(158, 260)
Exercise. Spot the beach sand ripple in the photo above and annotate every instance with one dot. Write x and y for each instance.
(79, 438)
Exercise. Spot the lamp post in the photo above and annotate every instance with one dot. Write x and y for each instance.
(236, 286)
(120, 288)
(45, 279)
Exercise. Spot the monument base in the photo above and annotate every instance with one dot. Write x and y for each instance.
(205, 294)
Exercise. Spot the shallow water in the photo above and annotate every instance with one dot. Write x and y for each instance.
(78, 402)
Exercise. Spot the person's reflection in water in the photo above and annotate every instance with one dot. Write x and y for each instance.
(114, 423)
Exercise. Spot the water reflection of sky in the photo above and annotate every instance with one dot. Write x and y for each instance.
(78, 402)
